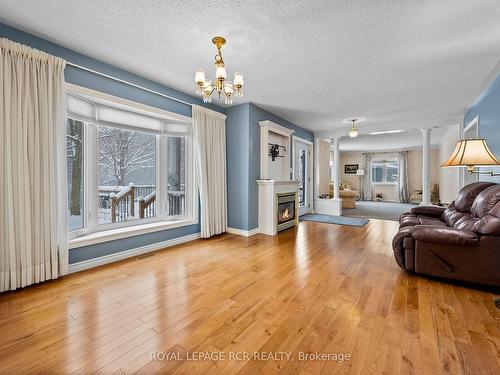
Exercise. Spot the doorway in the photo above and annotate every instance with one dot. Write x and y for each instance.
(302, 172)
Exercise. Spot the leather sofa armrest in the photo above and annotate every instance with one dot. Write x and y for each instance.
(428, 211)
(436, 233)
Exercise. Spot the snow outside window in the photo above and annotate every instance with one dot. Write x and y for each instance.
(126, 166)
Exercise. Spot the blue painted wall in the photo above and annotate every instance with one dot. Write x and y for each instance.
(237, 146)
(92, 81)
(243, 165)
(242, 132)
(487, 107)
(258, 114)
(111, 247)
(108, 86)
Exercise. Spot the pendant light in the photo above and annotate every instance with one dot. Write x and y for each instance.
(353, 133)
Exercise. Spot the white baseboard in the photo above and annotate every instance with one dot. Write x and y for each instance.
(90, 263)
(241, 232)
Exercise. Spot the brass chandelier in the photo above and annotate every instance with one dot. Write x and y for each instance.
(353, 133)
(205, 87)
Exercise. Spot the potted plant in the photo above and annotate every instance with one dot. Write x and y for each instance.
(379, 196)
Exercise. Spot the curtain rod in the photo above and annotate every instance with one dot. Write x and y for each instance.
(127, 83)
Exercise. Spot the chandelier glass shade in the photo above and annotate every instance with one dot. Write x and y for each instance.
(205, 88)
(353, 133)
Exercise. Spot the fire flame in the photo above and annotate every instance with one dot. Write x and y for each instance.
(286, 214)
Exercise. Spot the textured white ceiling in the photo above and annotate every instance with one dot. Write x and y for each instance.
(396, 63)
(408, 139)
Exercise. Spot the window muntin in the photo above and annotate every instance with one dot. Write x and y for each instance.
(155, 137)
(385, 171)
(75, 175)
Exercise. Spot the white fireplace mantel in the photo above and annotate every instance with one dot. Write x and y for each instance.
(268, 203)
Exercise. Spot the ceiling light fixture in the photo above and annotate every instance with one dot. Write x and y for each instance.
(387, 132)
(353, 133)
(205, 88)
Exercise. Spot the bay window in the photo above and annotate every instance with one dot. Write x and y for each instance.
(385, 171)
(128, 165)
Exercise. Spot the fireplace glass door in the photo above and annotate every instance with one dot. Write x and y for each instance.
(286, 211)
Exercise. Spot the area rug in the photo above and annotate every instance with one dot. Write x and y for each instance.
(378, 210)
(330, 219)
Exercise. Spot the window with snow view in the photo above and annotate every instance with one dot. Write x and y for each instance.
(74, 149)
(126, 181)
(126, 166)
(176, 175)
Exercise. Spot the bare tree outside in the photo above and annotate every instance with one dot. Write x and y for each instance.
(124, 156)
(74, 151)
(127, 174)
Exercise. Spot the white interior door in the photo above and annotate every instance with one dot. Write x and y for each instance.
(302, 171)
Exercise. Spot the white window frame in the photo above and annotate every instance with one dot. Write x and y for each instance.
(384, 161)
(93, 232)
(83, 230)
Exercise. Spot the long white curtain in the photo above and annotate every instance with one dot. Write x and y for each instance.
(367, 178)
(209, 138)
(404, 190)
(33, 245)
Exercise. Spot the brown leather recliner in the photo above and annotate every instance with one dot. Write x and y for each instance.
(460, 242)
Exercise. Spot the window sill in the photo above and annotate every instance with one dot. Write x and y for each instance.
(125, 232)
(385, 183)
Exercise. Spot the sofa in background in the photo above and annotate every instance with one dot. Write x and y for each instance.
(347, 194)
(460, 242)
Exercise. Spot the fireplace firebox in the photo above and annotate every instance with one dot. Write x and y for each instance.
(286, 210)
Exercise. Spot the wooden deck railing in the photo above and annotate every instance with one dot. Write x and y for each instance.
(147, 206)
(176, 202)
(122, 204)
(122, 201)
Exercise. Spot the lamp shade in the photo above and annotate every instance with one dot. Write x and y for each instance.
(360, 172)
(228, 88)
(220, 71)
(471, 152)
(238, 79)
(199, 76)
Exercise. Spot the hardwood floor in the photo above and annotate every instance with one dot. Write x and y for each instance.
(318, 288)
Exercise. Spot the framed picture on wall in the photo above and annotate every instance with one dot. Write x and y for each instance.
(351, 168)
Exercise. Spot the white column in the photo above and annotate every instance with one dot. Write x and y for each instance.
(316, 167)
(336, 168)
(322, 149)
(426, 166)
